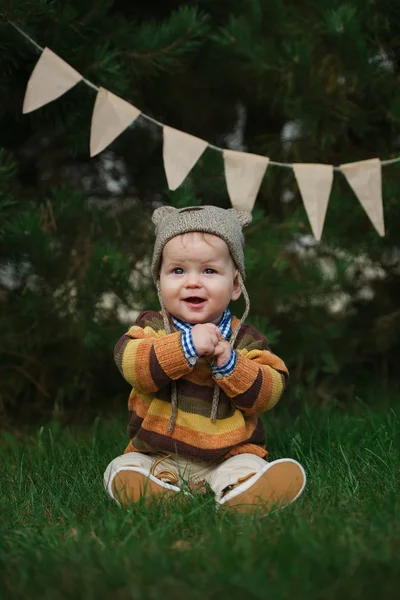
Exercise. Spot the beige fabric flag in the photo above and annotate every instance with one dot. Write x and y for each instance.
(50, 79)
(244, 173)
(365, 179)
(181, 152)
(315, 184)
(111, 116)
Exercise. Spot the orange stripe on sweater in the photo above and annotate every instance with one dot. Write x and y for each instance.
(136, 365)
(199, 439)
(139, 404)
(248, 449)
(265, 395)
(170, 355)
(272, 386)
(142, 365)
(245, 374)
(131, 448)
(264, 357)
(241, 379)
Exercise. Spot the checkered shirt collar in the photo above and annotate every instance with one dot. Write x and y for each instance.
(224, 324)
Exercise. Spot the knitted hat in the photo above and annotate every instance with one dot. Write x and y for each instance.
(226, 224)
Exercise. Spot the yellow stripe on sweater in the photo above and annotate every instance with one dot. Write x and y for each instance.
(136, 365)
(129, 360)
(159, 408)
(188, 435)
(277, 388)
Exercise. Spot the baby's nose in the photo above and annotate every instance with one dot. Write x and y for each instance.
(192, 280)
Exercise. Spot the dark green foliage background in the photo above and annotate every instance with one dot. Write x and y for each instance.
(67, 238)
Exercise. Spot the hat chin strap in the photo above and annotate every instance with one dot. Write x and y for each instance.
(167, 324)
(234, 335)
(232, 340)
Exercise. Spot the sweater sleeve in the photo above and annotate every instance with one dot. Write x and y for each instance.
(259, 377)
(149, 359)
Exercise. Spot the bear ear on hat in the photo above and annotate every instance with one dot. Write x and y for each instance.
(160, 213)
(242, 216)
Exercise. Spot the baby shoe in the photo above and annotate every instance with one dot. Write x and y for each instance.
(132, 483)
(277, 484)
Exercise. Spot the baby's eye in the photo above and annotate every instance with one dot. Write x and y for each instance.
(178, 271)
(209, 271)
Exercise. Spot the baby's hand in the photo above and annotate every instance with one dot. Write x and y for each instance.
(222, 353)
(205, 338)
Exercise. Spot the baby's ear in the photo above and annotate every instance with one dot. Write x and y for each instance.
(160, 213)
(243, 216)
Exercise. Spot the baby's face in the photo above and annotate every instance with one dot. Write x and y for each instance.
(198, 278)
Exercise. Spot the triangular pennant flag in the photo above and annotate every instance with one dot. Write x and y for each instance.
(315, 184)
(50, 79)
(365, 179)
(181, 152)
(244, 173)
(111, 116)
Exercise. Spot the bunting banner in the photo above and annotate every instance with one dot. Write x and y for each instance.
(315, 184)
(181, 152)
(244, 173)
(365, 179)
(52, 77)
(111, 116)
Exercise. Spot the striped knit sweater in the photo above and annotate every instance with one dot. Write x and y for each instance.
(149, 360)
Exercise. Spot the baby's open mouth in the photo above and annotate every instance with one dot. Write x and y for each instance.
(194, 300)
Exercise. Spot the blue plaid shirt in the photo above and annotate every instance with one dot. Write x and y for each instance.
(224, 325)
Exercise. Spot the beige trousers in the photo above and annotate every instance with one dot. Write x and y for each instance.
(219, 475)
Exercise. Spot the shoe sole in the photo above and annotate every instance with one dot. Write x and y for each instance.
(130, 486)
(278, 486)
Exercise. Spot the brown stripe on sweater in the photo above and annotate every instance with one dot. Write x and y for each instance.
(119, 353)
(191, 389)
(258, 435)
(257, 438)
(250, 343)
(197, 399)
(201, 375)
(157, 374)
(134, 424)
(150, 318)
(169, 444)
(249, 398)
(119, 344)
(136, 445)
(285, 380)
(196, 406)
(248, 337)
(164, 394)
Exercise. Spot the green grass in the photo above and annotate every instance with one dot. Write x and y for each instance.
(62, 537)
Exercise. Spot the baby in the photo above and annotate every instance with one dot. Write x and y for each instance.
(200, 377)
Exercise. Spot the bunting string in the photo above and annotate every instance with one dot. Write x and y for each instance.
(52, 77)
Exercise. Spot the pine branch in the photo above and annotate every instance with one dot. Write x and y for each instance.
(162, 47)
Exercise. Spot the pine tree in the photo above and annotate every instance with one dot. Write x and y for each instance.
(299, 82)
(330, 72)
(75, 233)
